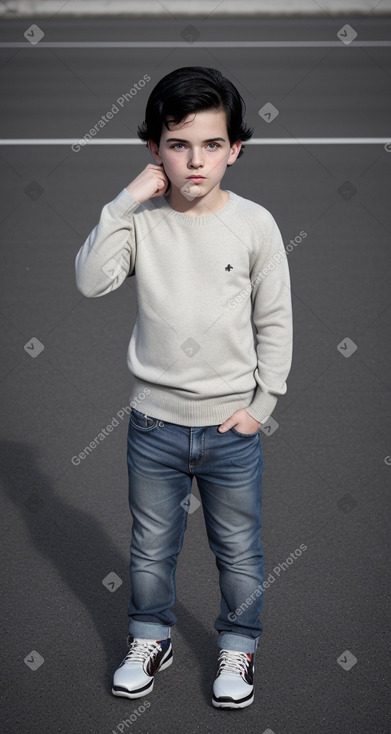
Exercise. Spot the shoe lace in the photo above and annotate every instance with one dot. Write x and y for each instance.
(231, 661)
(141, 649)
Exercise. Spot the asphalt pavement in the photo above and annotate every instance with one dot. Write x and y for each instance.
(322, 665)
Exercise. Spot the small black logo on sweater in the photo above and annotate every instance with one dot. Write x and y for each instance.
(229, 267)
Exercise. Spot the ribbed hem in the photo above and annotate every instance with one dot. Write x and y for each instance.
(168, 406)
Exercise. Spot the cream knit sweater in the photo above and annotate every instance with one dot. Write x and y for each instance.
(213, 331)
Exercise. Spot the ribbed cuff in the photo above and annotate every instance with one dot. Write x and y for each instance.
(262, 406)
(124, 203)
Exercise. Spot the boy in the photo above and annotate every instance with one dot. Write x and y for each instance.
(210, 353)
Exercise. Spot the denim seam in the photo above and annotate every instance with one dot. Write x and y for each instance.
(191, 464)
(180, 543)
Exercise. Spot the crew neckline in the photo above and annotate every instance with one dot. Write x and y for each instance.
(197, 221)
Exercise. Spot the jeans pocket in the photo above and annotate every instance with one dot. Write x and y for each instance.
(245, 435)
(141, 421)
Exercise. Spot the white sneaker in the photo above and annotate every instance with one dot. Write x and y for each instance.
(135, 676)
(233, 687)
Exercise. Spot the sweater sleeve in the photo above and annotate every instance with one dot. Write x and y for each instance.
(272, 317)
(109, 252)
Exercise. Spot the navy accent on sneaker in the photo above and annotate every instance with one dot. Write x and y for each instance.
(135, 675)
(234, 683)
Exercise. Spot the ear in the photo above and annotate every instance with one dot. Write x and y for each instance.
(154, 150)
(235, 150)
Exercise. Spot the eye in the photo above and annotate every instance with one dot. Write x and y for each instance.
(180, 145)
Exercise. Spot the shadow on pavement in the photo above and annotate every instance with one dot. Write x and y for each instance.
(79, 548)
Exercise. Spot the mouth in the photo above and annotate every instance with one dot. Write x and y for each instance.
(196, 178)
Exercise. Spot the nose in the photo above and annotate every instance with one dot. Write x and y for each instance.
(195, 159)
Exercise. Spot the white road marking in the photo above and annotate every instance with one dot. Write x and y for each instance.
(254, 141)
(191, 44)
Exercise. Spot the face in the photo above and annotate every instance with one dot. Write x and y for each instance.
(199, 144)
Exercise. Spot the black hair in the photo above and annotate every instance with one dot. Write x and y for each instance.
(194, 89)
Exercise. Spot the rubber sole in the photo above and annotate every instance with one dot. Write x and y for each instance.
(122, 692)
(231, 704)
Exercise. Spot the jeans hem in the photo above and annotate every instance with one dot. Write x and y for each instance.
(149, 630)
(240, 643)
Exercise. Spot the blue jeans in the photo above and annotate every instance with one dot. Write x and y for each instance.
(162, 460)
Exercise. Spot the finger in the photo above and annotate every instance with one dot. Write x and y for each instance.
(225, 426)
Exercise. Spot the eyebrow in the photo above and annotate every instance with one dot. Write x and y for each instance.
(180, 140)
